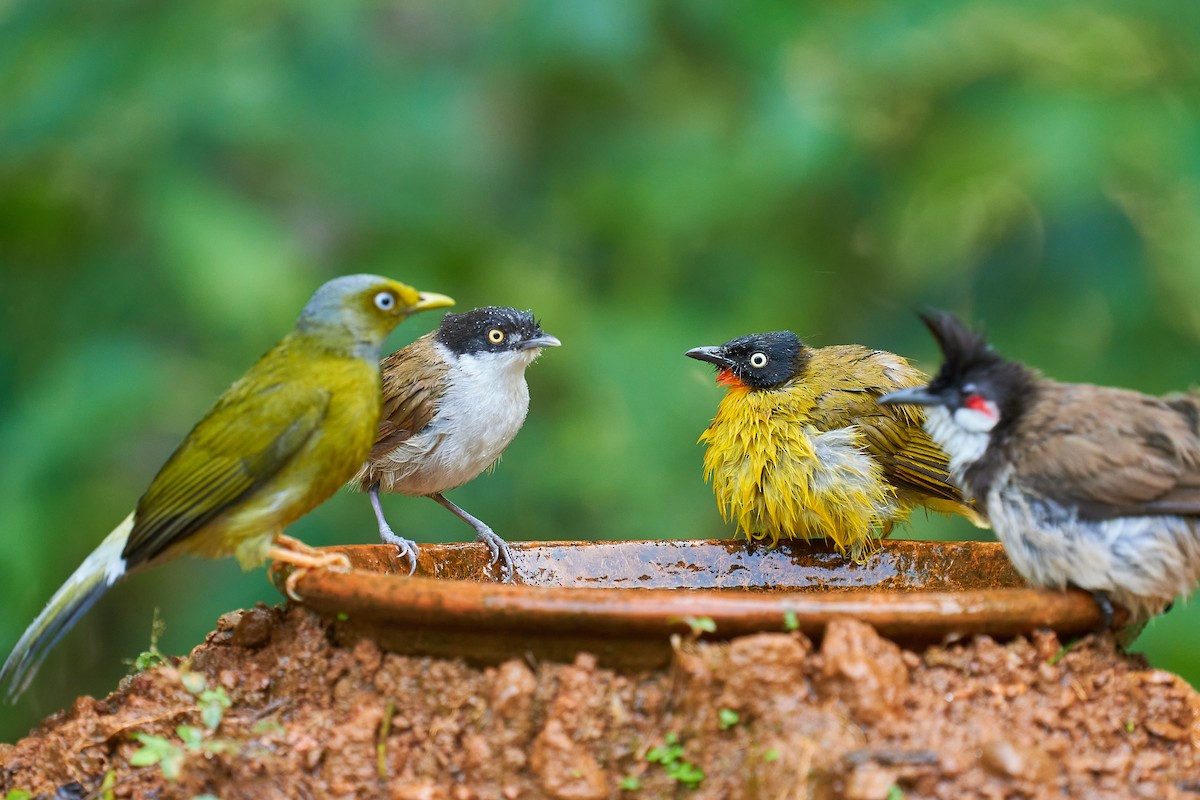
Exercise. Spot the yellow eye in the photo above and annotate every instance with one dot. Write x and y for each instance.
(495, 336)
(758, 360)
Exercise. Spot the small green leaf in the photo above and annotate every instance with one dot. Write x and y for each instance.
(213, 703)
(686, 773)
(629, 783)
(771, 755)
(1130, 726)
(194, 682)
(895, 793)
(727, 718)
(668, 752)
(790, 621)
(107, 785)
(190, 735)
(342, 616)
(157, 750)
(18, 794)
(700, 625)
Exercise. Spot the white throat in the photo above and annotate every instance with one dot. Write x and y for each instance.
(964, 441)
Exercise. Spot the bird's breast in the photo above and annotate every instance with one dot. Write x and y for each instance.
(477, 417)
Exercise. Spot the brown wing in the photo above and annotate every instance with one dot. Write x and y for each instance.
(412, 385)
(1113, 452)
(856, 377)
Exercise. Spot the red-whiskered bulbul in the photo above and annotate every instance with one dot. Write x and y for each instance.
(452, 401)
(1086, 486)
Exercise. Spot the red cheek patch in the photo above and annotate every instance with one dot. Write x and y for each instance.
(979, 403)
(727, 378)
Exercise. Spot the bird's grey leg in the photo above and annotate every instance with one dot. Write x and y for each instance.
(1103, 602)
(498, 547)
(407, 547)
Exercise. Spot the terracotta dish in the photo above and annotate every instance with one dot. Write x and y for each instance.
(624, 600)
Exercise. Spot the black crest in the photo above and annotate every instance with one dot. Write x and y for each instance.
(474, 331)
(968, 360)
(963, 350)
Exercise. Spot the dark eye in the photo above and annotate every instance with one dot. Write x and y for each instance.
(495, 336)
(385, 301)
(758, 360)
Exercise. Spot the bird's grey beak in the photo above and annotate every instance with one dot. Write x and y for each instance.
(712, 355)
(915, 396)
(541, 340)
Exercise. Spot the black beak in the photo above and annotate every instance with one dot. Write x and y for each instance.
(915, 396)
(712, 355)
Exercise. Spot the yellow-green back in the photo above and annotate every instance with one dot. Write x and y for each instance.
(284, 437)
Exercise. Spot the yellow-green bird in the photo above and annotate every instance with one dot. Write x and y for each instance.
(800, 448)
(276, 444)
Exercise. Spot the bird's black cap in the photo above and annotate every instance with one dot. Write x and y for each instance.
(760, 360)
(492, 329)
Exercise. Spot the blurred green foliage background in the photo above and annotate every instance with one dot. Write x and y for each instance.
(177, 178)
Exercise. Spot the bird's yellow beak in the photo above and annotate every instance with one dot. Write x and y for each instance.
(428, 300)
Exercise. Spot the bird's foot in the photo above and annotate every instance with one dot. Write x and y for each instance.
(501, 553)
(304, 558)
(407, 547)
(1105, 605)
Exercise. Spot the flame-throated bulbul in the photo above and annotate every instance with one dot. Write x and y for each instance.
(800, 449)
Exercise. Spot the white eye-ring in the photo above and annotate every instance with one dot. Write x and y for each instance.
(758, 360)
(495, 336)
(385, 301)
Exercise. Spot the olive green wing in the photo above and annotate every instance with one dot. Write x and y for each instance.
(894, 435)
(240, 445)
(412, 387)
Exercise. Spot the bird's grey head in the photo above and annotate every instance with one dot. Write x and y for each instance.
(494, 329)
(759, 360)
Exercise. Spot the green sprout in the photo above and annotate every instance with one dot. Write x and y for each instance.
(698, 625)
(727, 718)
(150, 657)
(670, 755)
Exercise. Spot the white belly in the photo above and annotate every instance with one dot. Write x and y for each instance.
(477, 418)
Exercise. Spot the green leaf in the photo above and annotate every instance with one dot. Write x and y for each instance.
(107, 785)
(771, 755)
(698, 625)
(194, 682)
(629, 783)
(213, 703)
(157, 750)
(894, 792)
(790, 621)
(686, 773)
(190, 735)
(668, 752)
(727, 718)
(18, 794)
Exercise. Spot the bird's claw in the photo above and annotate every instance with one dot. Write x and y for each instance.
(1104, 602)
(407, 548)
(501, 553)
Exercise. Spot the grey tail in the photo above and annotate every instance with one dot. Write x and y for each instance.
(100, 570)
